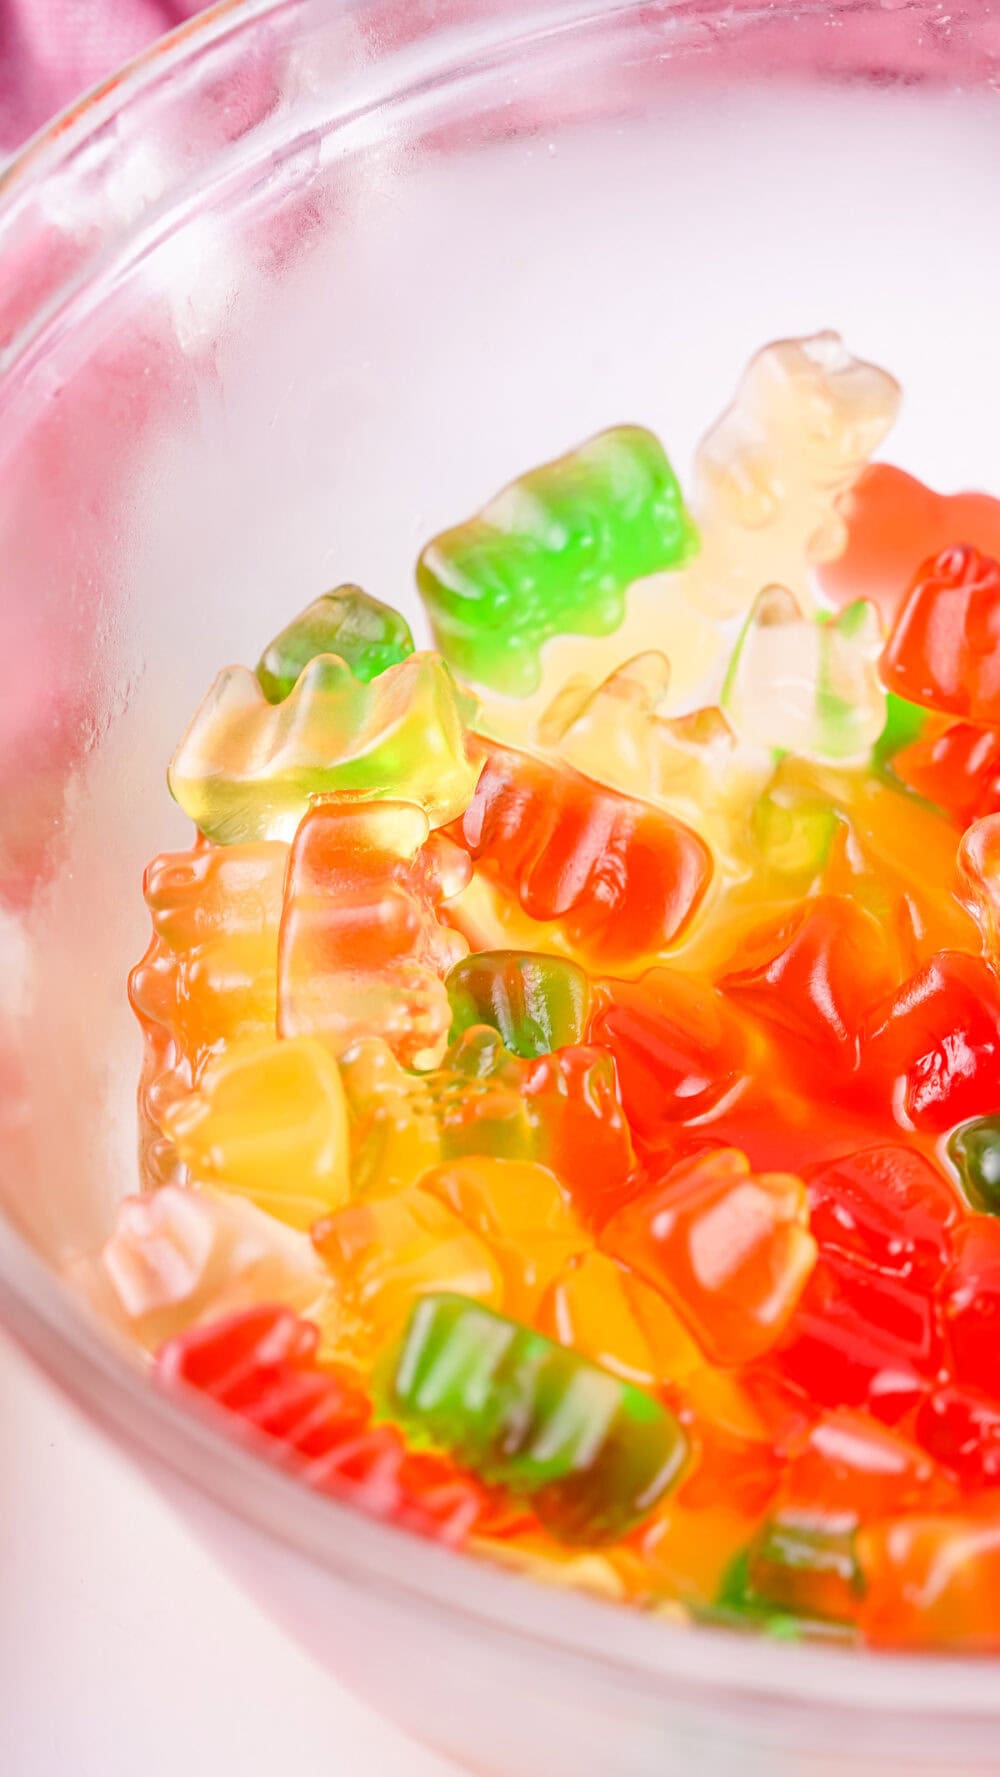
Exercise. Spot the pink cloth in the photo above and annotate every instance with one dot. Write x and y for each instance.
(53, 51)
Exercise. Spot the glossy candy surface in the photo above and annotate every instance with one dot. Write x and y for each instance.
(570, 1122)
(554, 552)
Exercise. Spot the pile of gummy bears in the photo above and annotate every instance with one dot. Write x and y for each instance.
(570, 1115)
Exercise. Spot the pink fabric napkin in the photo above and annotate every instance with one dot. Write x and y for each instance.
(52, 51)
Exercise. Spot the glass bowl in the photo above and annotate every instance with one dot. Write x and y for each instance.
(299, 287)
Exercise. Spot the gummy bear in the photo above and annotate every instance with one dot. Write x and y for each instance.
(177, 1255)
(979, 874)
(806, 685)
(616, 879)
(679, 1048)
(958, 768)
(269, 1120)
(893, 523)
(931, 1579)
(384, 1255)
(537, 1003)
(561, 1110)
(592, 1453)
(523, 1215)
(971, 1303)
(934, 1051)
(554, 552)
(816, 973)
(959, 1426)
(886, 1207)
(209, 974)
(975, 1149)
(602, 1310)
(693, 764)
(860, 1339)
(361, 949)
(260, 1365)
(804, 1561)
(729, 1249)
(366, 634)
(944, 649)
(247, 769)
(770, 472)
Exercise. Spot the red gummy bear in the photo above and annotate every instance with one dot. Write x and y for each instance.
(678, 1047)
(886, 1207)
(935, 1050)
(816, 974)
(260, 1364)
(960, 1427)
(971, 1302)
(944, 650)
(622, 878)
(958, 770)
(894, 523)
(861, 1339)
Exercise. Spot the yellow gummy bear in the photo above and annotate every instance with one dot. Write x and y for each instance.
(521, 1211)
(602, 1310)
(384, 1255)
(246, 769)
(269, 1120)
(979, 871)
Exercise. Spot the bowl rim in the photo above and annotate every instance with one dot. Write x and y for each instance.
(659, 1657)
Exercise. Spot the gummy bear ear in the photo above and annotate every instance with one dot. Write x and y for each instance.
(640, 683)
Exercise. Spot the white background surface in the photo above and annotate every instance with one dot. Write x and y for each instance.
(124, 1652)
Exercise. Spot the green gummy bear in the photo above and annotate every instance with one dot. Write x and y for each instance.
(554, 554)
(368, 635)
(592, 1453)
(975, 1149)
(537, 1003)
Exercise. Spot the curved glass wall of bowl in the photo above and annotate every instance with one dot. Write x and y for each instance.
(273, 309)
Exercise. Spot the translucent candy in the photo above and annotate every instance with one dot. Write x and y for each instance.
(522, 1213)
(260, 1366)
(931, 1581)
(806, 686)
(957, 767)
(602, 1310)
(818, 973)
(209, 974)
(944, 649)
(553, 552)
(591, 1452)
(979, 870)
(934, 1050)
(176, 1256)
(975, 1149)
(246, 769)
(385, 1255)
(269, 1121)
(366, 634)
(620, 878)
(561, 1110)
(729, 1249)
(362, 952)
(536, 1003)
(893, 524)
(770, 473)
(693, 765)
